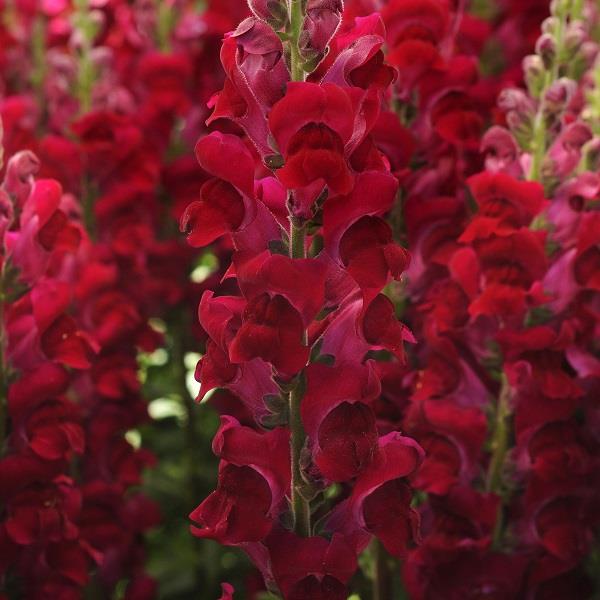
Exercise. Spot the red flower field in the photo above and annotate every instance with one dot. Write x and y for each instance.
(299, 299)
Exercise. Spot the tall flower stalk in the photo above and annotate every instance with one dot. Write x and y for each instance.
(297, 236)
(296, 345)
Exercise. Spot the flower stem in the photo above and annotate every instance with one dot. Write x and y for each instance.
(539, 143)
(499, 448)
(538, 139)
(296, 21)
(179, 327)
(86, 71)
(164, 26)
(88, 197)
(382, 588)
(592, 98)
(38, 57)
(300, 506)
(297, 241)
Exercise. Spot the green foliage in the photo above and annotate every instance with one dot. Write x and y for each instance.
(180, 433)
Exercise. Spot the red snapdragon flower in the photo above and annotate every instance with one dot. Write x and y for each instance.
(313, 142)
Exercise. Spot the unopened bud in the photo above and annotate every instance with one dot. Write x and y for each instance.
(589, 51)
(549, 25)
(500, 149)
(274, 12)
(590, 156)
(323, 17)
(559, 94)
(534, 73)
(521, 128)
(545, 47)
(576, 134)
(515, 100)
(574, 36)
(560, 8)
(20, 170)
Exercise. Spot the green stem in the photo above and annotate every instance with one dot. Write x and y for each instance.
(382, 588)
(165, 24)
(499, 448)
(297, 241)
(560, 43)
(499, 444)
(300, 506)
(86, 72)
(85, 82)
(296, 21)
(576, 9)
(88, 198)
(539, 141)
(179, 328)
(38, 55)
(593, 102)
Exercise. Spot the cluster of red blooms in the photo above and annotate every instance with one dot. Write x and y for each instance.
(404, 321)
(321, 137)
(302, 198)
(504, 283)
(39, 534)
(89, 252)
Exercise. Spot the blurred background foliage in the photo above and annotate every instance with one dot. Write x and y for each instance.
(179, 433)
